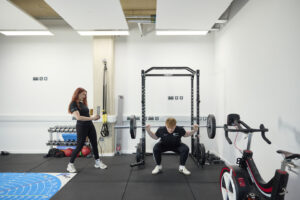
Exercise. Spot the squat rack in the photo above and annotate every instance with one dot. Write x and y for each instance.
(191, 73)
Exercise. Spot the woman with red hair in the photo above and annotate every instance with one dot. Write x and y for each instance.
(84, 127)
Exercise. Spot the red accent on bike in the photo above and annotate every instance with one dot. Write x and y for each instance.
(267, 190)
(248, 151)
(223, 169)
(281, 172)
(241, 181)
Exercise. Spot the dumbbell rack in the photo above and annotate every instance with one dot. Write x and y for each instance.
(60, 130)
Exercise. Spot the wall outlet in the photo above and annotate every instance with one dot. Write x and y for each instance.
(150, 118)
(136, 117)
(181, 97)
(40, 78)
(170, 97)
(176, 97)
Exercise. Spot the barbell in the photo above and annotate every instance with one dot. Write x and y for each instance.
(210, 125)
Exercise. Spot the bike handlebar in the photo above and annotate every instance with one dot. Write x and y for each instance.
(245, 130)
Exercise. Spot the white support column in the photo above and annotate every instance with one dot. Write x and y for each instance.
(103, 49)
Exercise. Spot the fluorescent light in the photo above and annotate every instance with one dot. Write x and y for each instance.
(181, 32)
(221, 21)
(25, 33)
(89, 33)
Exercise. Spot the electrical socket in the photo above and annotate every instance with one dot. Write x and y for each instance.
(170, 97)
(150, 118)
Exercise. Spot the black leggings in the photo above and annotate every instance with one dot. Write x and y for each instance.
(84, 131)
(182, 150)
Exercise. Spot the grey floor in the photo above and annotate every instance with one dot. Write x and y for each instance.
(120, 181)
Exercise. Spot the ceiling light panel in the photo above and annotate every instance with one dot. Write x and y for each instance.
(24, 33)
(185, 32)
(90, 33)
(91, 14)
(189, 14)
(12, 18)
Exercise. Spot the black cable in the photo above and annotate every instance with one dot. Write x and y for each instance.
(188, 183)
(126, 183)
(29, 170)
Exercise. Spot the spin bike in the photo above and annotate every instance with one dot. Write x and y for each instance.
(243, 181)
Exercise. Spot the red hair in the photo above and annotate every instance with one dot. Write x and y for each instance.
(171, 122)
(75, 98)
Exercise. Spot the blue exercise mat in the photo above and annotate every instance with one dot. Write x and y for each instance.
(25, 186)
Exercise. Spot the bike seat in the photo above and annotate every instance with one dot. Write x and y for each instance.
(289, 155)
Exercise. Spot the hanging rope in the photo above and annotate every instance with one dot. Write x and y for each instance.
(104, 130)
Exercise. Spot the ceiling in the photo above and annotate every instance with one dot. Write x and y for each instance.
(39, 9)
(189, 14)
(20, 20)
(113, 14)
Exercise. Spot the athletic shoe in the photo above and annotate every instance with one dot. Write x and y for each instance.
(100, 164)
(184, 170)
(71, 168)
(157, 169)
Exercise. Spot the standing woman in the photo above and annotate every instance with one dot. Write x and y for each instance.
(84, 128)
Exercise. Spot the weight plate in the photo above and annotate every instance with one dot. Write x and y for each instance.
(211, 126)
(133, 127)
(202, 158)
(138, 154)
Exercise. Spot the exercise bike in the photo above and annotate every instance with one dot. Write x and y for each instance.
(243, 182)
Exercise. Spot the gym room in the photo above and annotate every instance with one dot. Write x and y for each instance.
(149, 99)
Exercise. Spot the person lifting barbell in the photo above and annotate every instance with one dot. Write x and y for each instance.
(198, 151)
(170, 140)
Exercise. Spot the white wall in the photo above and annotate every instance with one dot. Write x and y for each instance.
(134, 53)
(66, 59)
(257, 62)
(31, 107)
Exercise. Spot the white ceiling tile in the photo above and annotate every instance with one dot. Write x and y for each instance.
(91, 14)
(189, 14)
(12, 18)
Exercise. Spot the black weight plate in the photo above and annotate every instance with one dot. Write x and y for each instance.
(202, 159)
(138, 155)
(211, 126)
(133, 127)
